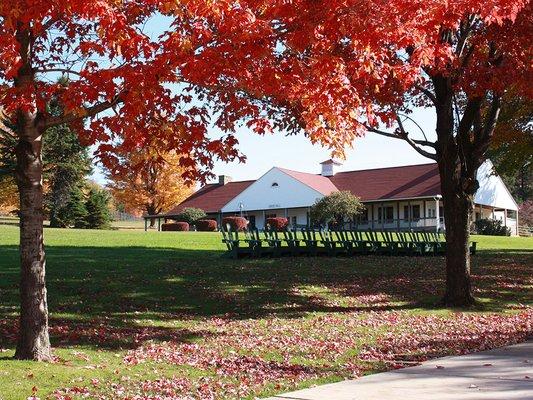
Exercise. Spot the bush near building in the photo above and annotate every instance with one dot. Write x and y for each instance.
(277, 223)
(236, 223)
(491, 227)
(175, 227)
(191, 215)
(206, 225)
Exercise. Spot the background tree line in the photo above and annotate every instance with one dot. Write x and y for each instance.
(71, 199)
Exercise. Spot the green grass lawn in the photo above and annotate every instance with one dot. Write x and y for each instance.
(137, 313)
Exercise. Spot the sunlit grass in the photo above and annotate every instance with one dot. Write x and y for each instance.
(112, 291)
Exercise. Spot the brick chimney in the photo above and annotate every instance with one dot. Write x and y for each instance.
(329, 167)
(223, 179)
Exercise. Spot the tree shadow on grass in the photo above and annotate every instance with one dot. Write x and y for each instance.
(121, 296)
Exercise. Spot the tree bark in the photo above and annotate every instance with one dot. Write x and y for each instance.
(151, 210)
(458, 185)
(457, 212)
(33, 341)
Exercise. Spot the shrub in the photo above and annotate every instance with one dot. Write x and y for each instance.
(278, 223)
(492, 227)
(191, 215)
(97, 206)
(338, 206)
(206, 225)
(236, 223)
(175, 227)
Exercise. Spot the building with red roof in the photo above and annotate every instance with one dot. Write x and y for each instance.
(406, 197)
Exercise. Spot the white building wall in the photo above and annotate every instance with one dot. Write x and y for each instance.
(492, 191)
(273, 191)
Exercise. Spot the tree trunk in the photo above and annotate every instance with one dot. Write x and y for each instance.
(151, 210)
(33, 341)
(457, 212)
(458, 185)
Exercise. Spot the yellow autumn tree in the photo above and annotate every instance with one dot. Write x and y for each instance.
(149, 183)
(9, 198)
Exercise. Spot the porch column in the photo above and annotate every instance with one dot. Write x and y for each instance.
(372, 215)
(382, 216)
(505, 217)
(264, 219)
(398, 215)
(424, 205)
(409, 213)
(437, 215)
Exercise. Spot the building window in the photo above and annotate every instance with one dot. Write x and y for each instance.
(415, 212)
(267, 216)
(294, 220)
(251, 221)
(386, 214)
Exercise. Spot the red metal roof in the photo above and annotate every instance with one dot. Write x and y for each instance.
(411, 181)
(320, 183)
(391, 183)
(212, 197)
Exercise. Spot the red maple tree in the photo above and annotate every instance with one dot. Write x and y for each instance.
(125, 91)
(345, 68)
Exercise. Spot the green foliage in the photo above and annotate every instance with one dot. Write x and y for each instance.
(491, 227)
(72, 213)
(512, 147)
(338, 207)
(66, 163)
(97, 205)
(191, 215)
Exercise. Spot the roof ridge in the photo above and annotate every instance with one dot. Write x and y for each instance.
(300, 172)
(381, 168)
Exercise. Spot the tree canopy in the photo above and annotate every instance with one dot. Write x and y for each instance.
(148, 182)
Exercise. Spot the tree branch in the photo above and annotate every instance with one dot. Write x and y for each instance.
(472, 108)
(404, 136)
(87, 112)
(63, 70)
(428, 93)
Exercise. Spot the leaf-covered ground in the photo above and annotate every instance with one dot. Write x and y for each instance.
(139, 315)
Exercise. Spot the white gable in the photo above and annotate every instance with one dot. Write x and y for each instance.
(274, 190)
(492, 191)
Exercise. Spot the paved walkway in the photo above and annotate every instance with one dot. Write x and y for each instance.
(500, 374)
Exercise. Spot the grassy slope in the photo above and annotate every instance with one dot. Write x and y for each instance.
(107, 288)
